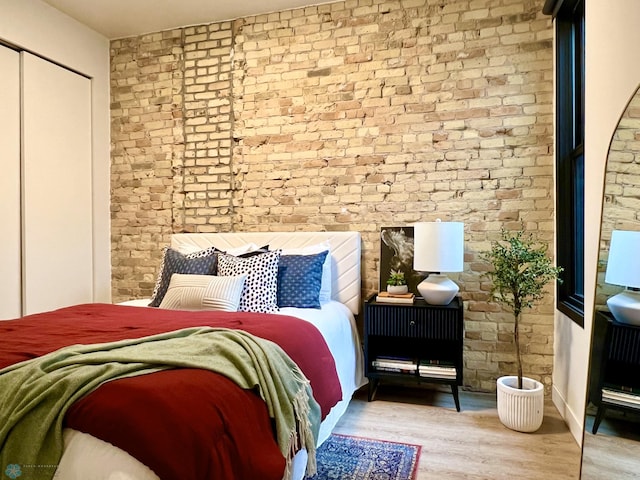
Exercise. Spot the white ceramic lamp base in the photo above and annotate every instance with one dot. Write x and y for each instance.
(625, 307)
(438, 289)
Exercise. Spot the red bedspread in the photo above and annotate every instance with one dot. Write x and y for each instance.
(186, 423)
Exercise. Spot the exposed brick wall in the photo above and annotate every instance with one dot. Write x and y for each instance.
(208, 184)
(147, 148)
(361, 114)
(621, 205)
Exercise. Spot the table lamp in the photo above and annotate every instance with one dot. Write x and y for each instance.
(438, 248)
(623, 268)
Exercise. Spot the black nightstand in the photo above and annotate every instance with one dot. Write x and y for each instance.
(615, 367)
(417, 334)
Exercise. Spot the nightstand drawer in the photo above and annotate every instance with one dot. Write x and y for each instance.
(400, 321)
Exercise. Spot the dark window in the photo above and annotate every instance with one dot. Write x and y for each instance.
(569, 24)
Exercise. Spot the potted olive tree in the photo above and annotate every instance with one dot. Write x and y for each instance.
(521, 269)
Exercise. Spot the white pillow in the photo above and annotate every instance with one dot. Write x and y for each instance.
(188, 249)
(326, 285)
(203, 292)
(246, 248)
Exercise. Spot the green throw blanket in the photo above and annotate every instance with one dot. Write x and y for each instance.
(35, 394)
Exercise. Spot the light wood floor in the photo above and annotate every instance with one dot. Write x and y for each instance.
(614, 452)
(472, 444)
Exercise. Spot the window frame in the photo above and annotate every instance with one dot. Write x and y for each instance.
(569, 23)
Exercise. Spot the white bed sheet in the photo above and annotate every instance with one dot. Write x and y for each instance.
(88, 458)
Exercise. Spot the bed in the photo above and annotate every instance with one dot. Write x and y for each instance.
(86, 456)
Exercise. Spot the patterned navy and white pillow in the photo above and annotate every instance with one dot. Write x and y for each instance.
(300, 279)
(327, 284)
(202, 262)
(260, 287)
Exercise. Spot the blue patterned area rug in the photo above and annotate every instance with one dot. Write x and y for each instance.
(343, 457)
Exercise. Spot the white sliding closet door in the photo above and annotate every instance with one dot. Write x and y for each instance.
(10, 278)
(56, 191)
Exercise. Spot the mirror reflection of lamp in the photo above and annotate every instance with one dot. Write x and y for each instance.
(438, 248)
(623, 268)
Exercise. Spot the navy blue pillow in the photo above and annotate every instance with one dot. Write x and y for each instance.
(299, 280)
(203, 262)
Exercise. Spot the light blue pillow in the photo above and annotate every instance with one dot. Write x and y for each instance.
(300, 279)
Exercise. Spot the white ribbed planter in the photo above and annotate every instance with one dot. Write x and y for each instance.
(397, 289)
(520, 410)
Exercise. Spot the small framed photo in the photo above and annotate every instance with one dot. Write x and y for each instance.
(396, 253)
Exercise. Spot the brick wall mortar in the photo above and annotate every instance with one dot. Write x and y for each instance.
(368, 113)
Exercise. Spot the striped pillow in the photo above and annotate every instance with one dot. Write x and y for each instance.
(203, 292)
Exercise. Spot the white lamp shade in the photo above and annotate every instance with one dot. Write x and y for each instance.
(623, 265)
(438, 246)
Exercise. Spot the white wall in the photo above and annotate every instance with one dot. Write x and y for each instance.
(612, 76)
(39, 28)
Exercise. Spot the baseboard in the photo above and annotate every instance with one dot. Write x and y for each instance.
(575, 423)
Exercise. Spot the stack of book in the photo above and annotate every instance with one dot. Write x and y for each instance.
(386, 297)
(395, 364)
(437, 369)
(627, 397)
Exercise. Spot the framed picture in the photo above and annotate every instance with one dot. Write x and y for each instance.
(396, 253)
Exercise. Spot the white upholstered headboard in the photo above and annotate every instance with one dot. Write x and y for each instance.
(345, 254)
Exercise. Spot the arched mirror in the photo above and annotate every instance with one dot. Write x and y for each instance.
(611, 446)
